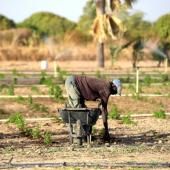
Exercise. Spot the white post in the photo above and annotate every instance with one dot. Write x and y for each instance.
(166, 64)
(137, 80)
(44, 65)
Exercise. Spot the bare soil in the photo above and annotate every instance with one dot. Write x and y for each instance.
(143, 145)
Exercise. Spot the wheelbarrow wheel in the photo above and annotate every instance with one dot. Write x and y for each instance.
(79, 132)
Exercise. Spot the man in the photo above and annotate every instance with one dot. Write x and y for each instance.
(81, 88)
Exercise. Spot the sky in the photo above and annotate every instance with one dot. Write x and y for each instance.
(18, 10)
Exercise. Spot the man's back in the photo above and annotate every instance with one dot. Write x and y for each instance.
(92, 88)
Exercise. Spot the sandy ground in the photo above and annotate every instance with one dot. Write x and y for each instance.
(143, 145)
(79, 65)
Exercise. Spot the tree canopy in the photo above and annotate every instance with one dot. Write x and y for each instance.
(6, 23)
(162, 27)
(48, 24)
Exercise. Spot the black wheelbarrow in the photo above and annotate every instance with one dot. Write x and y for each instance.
(80, 122)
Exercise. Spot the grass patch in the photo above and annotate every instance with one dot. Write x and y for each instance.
(160, 114)
(127, 119)
(34, 133)
(114, 114)
(18, 120)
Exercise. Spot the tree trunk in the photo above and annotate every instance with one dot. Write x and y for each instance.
(100, 54)
(100, 6)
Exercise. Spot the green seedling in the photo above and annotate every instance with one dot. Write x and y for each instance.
(35, 89)
(18, 120)
(61, 73)
(113, 114)
(36, 133)
(11, 90)
(38, 107)
(47, 138)
(147, 80)
(43, 77)
(57, 92)
(127, 119)
(160, 114)
(20, 99)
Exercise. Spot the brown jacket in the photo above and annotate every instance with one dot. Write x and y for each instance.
(92, 89)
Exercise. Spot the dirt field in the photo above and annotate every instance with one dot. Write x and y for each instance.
(143, 145)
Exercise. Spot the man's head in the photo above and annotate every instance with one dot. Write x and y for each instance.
(117, 83)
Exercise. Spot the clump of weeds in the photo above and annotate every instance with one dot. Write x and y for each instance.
(34, 133)
(114, 114)
(127, 119)
(160, 114)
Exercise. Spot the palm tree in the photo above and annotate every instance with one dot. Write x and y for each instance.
(104, 22)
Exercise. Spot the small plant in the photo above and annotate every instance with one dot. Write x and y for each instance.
(47, 138)
(127, 119)
(43, 77)
(147, 80)
(113, 114)
(11, 90)
(35, 89)
(36, 133)
(20, 99)
(57, 92)
(165, 78)
(38, 107)
(18, 120)
(30, 100)
(160, 114)
(61, 73)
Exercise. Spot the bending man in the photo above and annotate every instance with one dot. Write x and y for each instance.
(81, 88)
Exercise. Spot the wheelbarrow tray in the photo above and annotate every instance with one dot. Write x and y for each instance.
(87, 116)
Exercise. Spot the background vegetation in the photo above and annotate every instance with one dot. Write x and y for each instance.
(40, 26)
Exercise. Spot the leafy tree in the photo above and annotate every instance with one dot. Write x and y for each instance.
(136, 26)
(48, 24)
(6, 23)
(137, 30)
(89, 13)
(162, 27)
